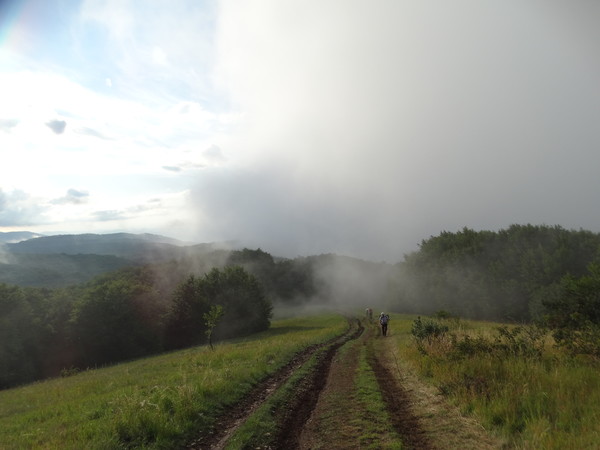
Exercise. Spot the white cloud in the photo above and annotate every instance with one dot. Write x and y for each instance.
(159, 56)
(18, 208)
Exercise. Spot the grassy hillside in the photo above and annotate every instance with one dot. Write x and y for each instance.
(511, 379)
(157, 402)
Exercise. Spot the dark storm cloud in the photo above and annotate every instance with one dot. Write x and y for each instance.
(58, 126)
(269, 208)
(396, 122)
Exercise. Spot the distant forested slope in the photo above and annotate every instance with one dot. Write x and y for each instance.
(56, 270)
(55, 261)
(126, 245)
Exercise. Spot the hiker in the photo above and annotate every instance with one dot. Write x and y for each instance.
(383, 321)
(369, 313)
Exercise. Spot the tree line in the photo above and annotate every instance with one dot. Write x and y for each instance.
(123, 315)
(508, 275)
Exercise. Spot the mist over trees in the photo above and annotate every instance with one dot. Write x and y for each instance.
(504, 275)
(144, 310)
(520, 274)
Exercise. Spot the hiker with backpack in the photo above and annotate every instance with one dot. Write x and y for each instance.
(383, 321)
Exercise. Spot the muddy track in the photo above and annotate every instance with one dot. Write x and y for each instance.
(398, 403)
(306, 395)
(237, 414)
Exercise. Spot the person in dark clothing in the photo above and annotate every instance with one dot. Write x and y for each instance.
(383, 321)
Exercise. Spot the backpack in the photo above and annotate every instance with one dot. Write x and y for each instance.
(384, 319)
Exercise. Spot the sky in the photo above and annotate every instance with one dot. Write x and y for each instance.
(301, 126)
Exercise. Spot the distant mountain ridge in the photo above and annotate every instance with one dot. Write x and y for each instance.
(30, 259)
(125, 245)
(10, 237)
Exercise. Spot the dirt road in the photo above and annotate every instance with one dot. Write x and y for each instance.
(359, 395)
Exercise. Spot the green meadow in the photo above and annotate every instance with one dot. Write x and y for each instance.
(518, 386)
(157, 402)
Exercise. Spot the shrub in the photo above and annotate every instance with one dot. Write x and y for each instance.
(573, 313)
(428, 332)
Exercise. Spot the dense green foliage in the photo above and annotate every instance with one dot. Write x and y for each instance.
(573, 312)
(119, 316)
(245, 307)
(502, 275)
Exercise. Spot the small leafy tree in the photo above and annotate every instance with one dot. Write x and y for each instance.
(244, 307)
(211, 319)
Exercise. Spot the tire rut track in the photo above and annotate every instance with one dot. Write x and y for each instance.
(306, 396)
(398, 404)
(237, 414)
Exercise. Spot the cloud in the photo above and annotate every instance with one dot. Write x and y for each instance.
(162, 49)
(319, 126)
(131, 212)
(382, 126)
(214, 154)
(8, 124)
(91, 132)
(18, 208)
(108, 215)
(58, 126)
(73, 196)
(187, 165)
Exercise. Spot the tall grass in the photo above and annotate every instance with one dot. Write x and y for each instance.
(545, 400)
(157, 402)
